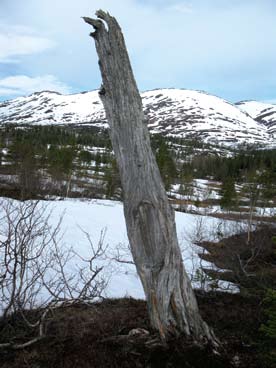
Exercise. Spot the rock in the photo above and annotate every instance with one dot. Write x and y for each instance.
(138, 332)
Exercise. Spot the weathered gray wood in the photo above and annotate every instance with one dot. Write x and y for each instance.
(149, 217)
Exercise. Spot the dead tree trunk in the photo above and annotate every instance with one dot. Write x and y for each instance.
(149, 217)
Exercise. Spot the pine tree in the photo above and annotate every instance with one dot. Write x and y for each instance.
(228, 194)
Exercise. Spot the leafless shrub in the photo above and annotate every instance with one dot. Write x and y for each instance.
(190, 251)
(203, 272)
(122, 254)
(37, 272)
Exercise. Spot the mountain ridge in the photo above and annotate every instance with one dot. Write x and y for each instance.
(171, 112)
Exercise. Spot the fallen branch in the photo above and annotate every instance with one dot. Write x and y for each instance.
(12, 346)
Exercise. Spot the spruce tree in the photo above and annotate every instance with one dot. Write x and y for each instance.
(228, 194)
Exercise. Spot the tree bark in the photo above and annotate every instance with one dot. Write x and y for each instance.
(149, 217)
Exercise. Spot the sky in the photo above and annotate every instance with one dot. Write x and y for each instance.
(224, 47)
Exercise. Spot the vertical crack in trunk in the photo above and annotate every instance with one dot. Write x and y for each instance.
(149, 217)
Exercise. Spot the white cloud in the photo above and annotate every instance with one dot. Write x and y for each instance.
(22, 85)
(225, 47)
(181, 7)
(17, 41)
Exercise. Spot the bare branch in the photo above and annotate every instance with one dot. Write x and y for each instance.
(36, 270)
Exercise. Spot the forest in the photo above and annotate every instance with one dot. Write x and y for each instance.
(55, 160)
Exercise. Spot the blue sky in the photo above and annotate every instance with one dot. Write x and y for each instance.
(225, 47)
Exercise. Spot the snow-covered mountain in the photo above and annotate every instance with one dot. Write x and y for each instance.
(262, 112)
(198, 114)
(47, 107)
(174, 112)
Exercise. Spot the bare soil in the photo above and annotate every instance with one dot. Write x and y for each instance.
(97, 336)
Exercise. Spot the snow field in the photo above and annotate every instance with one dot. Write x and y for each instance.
(104, 216)
(104, 219)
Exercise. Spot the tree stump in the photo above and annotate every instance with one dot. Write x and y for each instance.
(150, 222)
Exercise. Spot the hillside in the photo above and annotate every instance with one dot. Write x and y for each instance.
(54, 146)
(171, 112)
(100, 328)
(195, 114)
(261, 112)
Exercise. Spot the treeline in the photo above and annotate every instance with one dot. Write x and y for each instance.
(47, 158)
(55, 135)
(63, 155)
(241, 165)
(33, 153)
